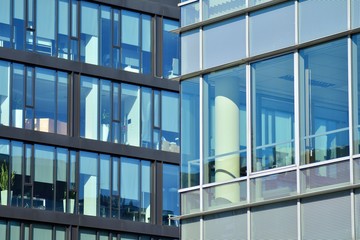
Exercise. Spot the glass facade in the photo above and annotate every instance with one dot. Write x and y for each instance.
(276, 112)
(89, 120)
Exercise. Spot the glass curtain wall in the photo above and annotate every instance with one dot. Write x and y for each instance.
(273, 112)
(324, 102)
(171, 47)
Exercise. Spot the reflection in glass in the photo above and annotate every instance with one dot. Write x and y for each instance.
(230, 35)
(61, 179)
(45, 27)
(190, 14)
(328, 17)
(19, 25)
(4, 93)
(272, 28)
(130, 41)
(171, 199)
(146, 117)
(105, 110)
(273, 112)
(63, 29)
(17, 98)
(356, 91)
(324, 102)
(105, 185)
(89, 33)
(88, 184)
(225, 126)
(130, 115)
(5, 27)
(146, 37)
(190, 135)
(190, 53)
(89, 108)
(170, 43)
(43, 195)
(217, 8)
(170, 121)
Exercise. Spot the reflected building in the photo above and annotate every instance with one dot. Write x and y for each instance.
(270, 119)
(89, 119)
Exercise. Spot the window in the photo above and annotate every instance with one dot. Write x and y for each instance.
(190, 52)
(171, 200)
(273, 112)
(170, 121)
(272, 28)
(216, 8)
(225, 125)
(171, 46)
(324, 102)
(328, 17)
(45, 27)
(224, 42)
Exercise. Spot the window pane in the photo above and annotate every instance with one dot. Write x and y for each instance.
(45, 29)
(3, 226)
(356, 90)
(44, 178)
(171, 49)
(130, 39)
(62, 103)
(89, 108)
(190, 134)
(230, 35)
(105, 110)
(61, 183)
(190, 14)
(5, 27)
(146, 38)
(217, 8)
(273, 112)
(115, 197)
(170, 121)
(225, 125)
(130, 115)
(146, 180)
(171, 199)
(63, 29)
(17, 96)
(4, 93)
(42, 232)
(87, 235)
(146, 117)
(16, 166)
(130, 189)
(19, 24)
(355, 13)
(105, 39)
(104, 185)
(14, 231)
(328, 17)
(89, 33)
(324, 101)
(190, 53)
(88, 184)
(272, 28)
(45, 105)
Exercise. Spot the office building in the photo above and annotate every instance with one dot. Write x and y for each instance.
(89, 119)
(270, 119)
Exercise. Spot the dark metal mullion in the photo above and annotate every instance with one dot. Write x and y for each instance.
(119, 186)
(98, 109)
(152, 111)
(98, 185)
(140, 190)
(111, 185)
(77, 178)
(158, 47)
(32, 172)
(140, 118)
(54, 178)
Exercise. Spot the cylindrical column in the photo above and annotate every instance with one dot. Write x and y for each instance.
(227, 137)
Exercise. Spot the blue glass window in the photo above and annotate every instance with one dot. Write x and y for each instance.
(171, 47)
(324, 102)
(45, 27)
(130, 40)
(273, 112)
(190, 52)
(171, 200)
(105, 39)
(5, 27)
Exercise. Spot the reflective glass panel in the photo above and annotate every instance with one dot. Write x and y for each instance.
(324, 102)
(130, 41)
(5, 27)
(171, 199)
(105, 185)
(89, 107)
(17, 96)
(63, 29)
(88, 184)
(5, 93)
(130, 114)
(89, 33)
(45, 27)
(190, 134)
(105, 110)
(171, 49)
(130, 189)
(62, 103)
(224, 42)
(146, 36)
(273, 112)
(190, 52)
(217, 8)
(272, 28)
(43, 195)
(146, 117)
(105, 36)
(356, 91)
(225, 125)
(19, 24)
(45, 105)
(327, 17)
(146, 179)
(190, 14)
(355, 13)
(170, 121)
